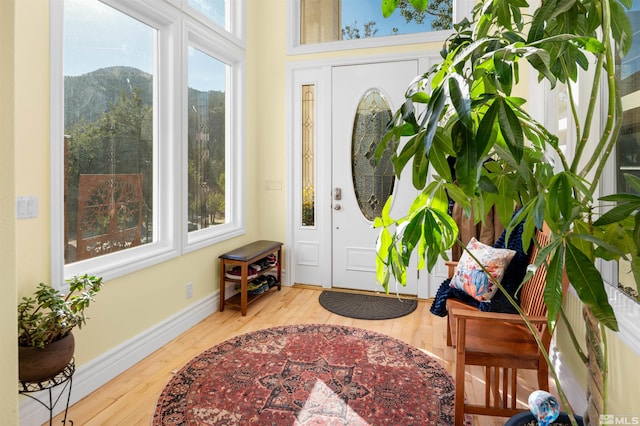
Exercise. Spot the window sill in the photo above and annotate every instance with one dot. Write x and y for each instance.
(628, 314)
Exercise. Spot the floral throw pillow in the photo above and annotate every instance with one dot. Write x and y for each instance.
(469, 276)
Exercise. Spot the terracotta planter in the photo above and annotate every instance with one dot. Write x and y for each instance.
(39, 364)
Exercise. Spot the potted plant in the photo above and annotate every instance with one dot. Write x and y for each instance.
(465, 107)
(527, 419)
(544, 410)
(45, 322)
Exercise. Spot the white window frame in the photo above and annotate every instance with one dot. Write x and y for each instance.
(234, 29)
(627, 310)
(171, 238)
(461, 9)
(221, 49)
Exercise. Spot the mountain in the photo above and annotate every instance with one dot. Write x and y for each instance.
(89, 95)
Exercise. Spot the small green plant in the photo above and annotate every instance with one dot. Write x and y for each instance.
(50, 315)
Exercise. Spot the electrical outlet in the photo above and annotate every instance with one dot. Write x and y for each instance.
(189, 290)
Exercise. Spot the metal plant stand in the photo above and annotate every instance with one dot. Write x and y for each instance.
(65, 378)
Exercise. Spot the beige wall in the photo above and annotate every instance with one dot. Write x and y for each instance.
(8, 299)
(624, 374)
(266, 90)
(131, 304)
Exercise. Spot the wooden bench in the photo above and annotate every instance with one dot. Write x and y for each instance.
(502, 344)
(243, 257)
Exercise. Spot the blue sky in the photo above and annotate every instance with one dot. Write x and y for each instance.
(364, 11)
(97, 36)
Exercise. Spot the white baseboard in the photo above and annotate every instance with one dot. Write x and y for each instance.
(97, 372)
(576, 394)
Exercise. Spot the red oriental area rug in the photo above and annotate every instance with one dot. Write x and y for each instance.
(309, 375)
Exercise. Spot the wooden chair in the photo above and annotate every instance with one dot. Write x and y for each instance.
(502, 344)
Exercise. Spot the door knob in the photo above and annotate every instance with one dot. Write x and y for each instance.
(336, 207)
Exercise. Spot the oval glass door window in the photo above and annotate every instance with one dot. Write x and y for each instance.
(372, 183)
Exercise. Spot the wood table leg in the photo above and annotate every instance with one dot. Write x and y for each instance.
(222, 284)
(243, 289)
(279, 268)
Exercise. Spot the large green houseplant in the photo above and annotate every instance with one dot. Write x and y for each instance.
(466, 107)
(45, 322)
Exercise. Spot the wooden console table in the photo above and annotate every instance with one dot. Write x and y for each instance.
(243, 257)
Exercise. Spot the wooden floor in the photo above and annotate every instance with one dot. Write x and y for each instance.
(130, 398)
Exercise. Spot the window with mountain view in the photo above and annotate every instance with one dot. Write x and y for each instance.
(207, 140)
(146, 149)
(324, 21)
(108, 130)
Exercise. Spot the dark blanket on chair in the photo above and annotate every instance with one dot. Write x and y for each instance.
(511, 280)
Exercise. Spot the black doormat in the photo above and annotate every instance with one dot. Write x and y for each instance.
(363, 306)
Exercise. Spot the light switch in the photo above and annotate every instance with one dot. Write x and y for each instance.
(26, 207)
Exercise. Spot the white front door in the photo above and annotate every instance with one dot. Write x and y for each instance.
(363, 99)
